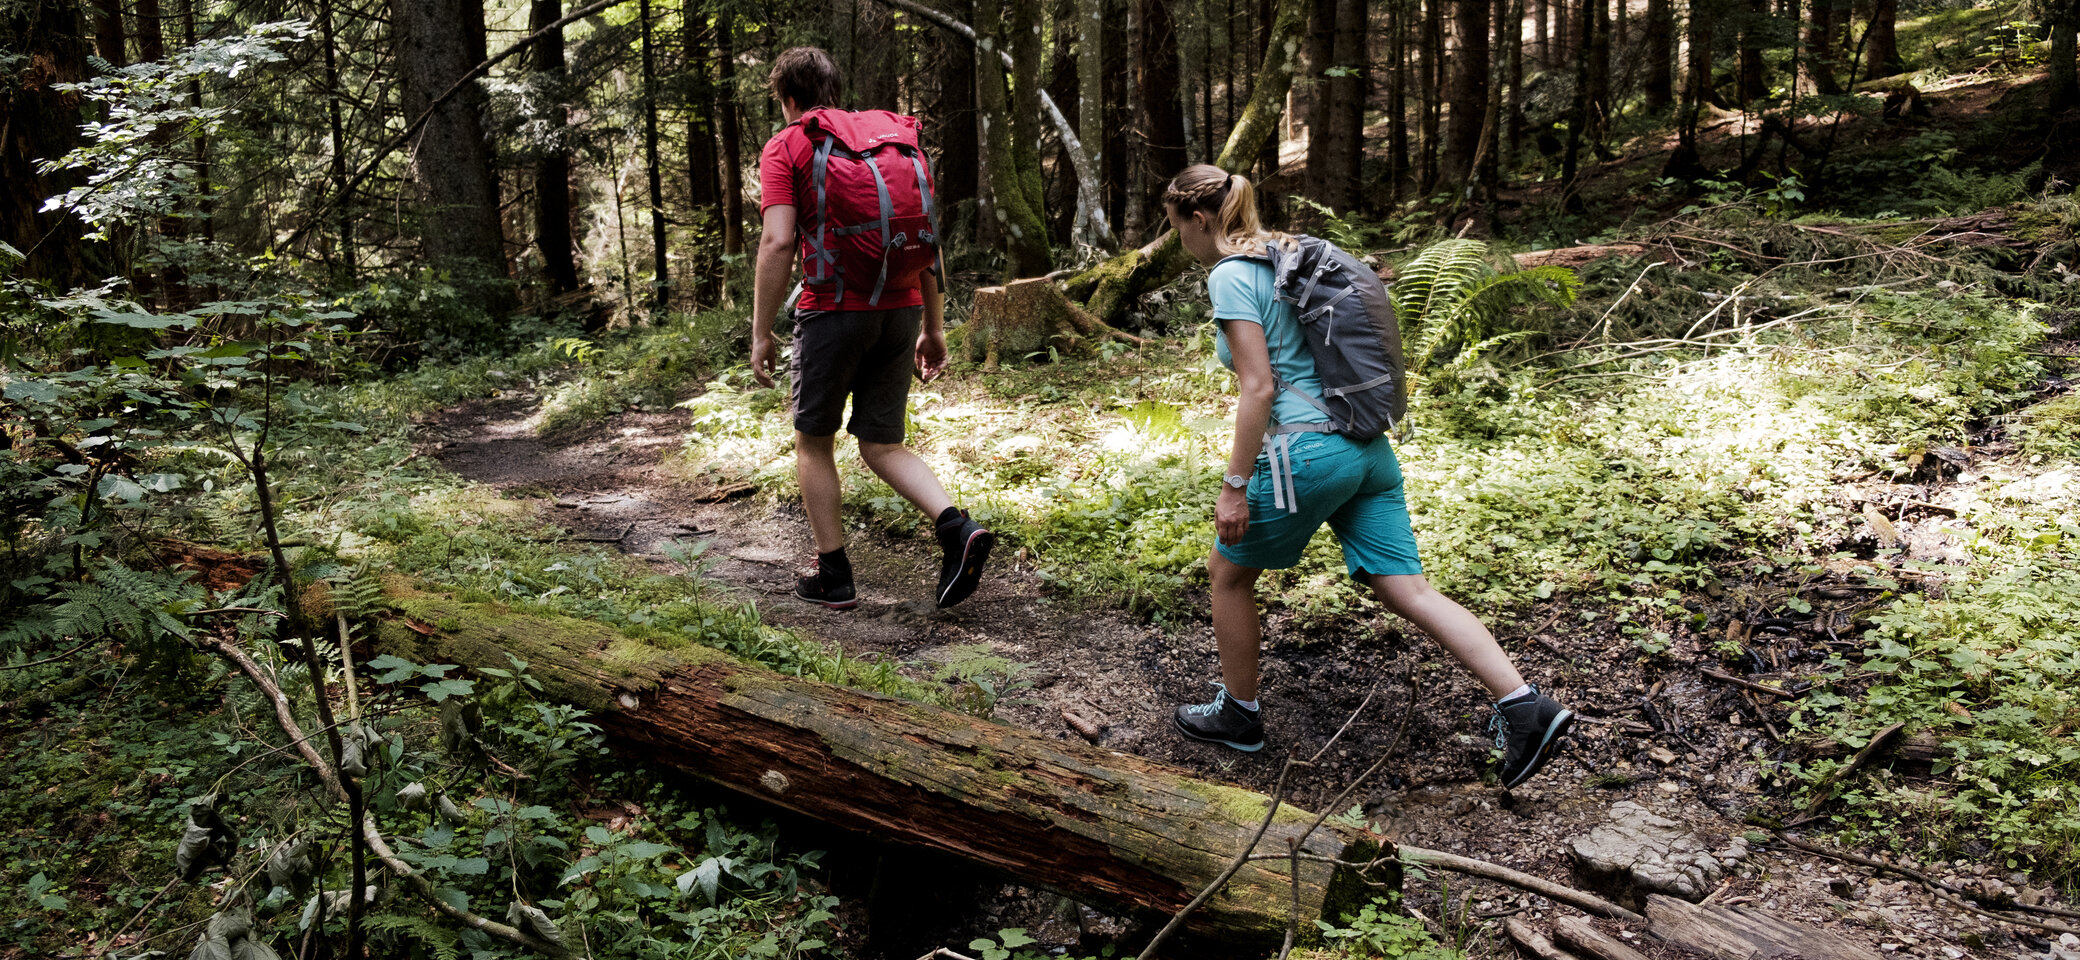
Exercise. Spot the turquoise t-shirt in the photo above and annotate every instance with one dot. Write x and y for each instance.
(1244, 290)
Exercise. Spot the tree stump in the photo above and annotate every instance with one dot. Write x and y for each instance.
(1101, 826)
(1027, 316)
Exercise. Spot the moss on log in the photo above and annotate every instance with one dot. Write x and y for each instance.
(1023, 316)
(1101, 826)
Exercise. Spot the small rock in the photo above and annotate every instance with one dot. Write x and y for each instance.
(1669, 787)
(1662, 755)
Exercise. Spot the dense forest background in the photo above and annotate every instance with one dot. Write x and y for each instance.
(336, 334)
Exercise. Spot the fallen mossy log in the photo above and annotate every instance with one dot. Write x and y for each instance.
(1104, 827)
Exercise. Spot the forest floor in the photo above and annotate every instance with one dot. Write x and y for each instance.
(1696, 763)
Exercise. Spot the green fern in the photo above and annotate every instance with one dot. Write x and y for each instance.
(1450, 301)
(359, 596)
(444, 943)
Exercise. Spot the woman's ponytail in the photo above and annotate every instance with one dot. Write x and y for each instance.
(1229, 199)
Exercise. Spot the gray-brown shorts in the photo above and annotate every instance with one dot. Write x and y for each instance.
(867, 355)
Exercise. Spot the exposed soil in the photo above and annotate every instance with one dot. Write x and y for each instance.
(1654, 730)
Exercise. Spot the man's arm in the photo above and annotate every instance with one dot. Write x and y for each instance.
(931, 336)
(774, 267)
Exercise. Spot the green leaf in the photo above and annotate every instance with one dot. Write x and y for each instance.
(1015, 937)
(30, 390)
(440, 690)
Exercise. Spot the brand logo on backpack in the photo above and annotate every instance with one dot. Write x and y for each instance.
(874, 224)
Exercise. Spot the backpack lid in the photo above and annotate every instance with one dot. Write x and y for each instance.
(860, 130)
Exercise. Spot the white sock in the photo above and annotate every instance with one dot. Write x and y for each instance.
(1250, 705)
(1522, 691)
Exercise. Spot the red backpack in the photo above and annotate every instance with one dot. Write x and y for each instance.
(875, 222)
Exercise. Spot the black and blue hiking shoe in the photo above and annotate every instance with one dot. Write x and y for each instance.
(1528, 730)
(967, 546)
(1223, 722)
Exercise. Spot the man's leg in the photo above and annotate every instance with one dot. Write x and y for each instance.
(1453, 627)
(816, 468)
(907, 473)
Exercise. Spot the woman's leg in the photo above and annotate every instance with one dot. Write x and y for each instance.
(1451, 625)
(1237, 629)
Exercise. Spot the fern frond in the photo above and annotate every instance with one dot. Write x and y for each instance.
(444, 943)
(1437, 276)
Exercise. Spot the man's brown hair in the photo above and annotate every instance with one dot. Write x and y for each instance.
(806, 75)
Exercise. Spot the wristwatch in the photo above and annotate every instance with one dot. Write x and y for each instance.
(1236, 480)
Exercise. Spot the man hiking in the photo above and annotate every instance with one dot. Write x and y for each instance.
(854, 190)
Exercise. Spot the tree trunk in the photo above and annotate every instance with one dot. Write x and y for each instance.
(1881, 44)
(552, 174)
(1121, 114)
(873, 43)
(151, 34)
(1578, 116)
(1659, 86)
(110, 42)
(1159, 80)
(1513, 139)
(1821, 27)
(1206, 78)
(1754, 33)
(1064, 214)
(336, 122)
(1397, 99)
(1271, 206)
(1466, 90)
(1137, 135)
(1110, 289)
(956, 174)
(733, 136)
(703, 170)
(1599, 36)
(2064, 20)
(1335, 138)
(1012, 190)
(660, 268)
(1102, 826)
(438, 41)
(1540, 30)
(1432, 108)
(1684, 162)
(38, 123)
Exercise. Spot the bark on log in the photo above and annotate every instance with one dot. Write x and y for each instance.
(1097, 825)
(1742, 933)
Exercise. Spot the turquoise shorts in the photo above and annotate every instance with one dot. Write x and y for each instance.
(1354, 487)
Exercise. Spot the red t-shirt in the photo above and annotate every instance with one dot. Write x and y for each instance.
(783, 175)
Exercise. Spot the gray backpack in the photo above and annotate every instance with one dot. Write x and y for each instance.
(1349, 324)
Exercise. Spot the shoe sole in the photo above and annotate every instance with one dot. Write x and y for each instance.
(974, 554)
(1554, 731)
(830, 604)
(1202, 738)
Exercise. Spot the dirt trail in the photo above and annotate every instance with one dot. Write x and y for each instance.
(606, 482)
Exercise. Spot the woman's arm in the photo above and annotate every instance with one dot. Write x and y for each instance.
(1252, 416)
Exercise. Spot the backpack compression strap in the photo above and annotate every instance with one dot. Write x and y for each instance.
(820, 244)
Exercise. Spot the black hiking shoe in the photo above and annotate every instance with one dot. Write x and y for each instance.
(831, 590)
(1222, 722)
(1528, 730)
(967, 546)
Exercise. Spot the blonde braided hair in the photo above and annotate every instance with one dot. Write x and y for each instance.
(1230, 201)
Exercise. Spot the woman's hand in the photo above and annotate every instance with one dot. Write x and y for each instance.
(1231, 515)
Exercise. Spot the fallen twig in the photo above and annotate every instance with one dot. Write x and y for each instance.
(1870, 750)
(82, 645)
(1528, 937)
(1578, 934)
(1585, 902)
(1725, 677)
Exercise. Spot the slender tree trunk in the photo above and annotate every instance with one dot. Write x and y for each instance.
(1271, 203)
(1579, 118)
(1881, 48)
(1206, 78)
(110, 42)
(703, 170)
(661, 277)
(1754, 33)
(1062, 85)
(1159, 79)
(1090, 92)
(336, 122)
(873, 75)
(953, 126)
(1540, 30)
(1599, 37)
(1337, 41)
(1311, 106)
(37, 123)
(552, 174)
(1820, 46)
(1684, 163)
(1397, 99)
(1228, 64)
(1027, 46)
(733, 136)
(1660, 56)
(151, 35)
(438, 42)
(1513, 144)
(1467, 90)
(1432, 75)
(2064, 20)
(1025, 232)
(202, 160)
(1136, 130)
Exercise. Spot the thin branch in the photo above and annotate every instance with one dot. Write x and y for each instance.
(37, 663)
(1278, 795)
(1585, 902)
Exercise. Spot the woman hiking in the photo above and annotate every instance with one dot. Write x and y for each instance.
(1352, 485)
